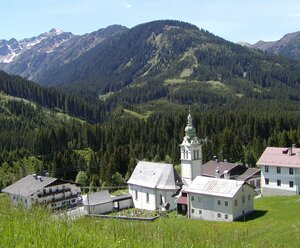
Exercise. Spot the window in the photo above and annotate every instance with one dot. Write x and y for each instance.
(249, 197)
(193, 210)
(147, 197)
(192, 198)
(278, 182)
(291, 184)
(235, 202)
(199, 199)
(161, 200)
(197, 154)
(266, 168)
(278, 170)
(200, 211)
(266, 181)
(226, 203)
(219, 215)
(219, 202)
(291, 171)
(226, 216)
(136, 195)
(243, 199)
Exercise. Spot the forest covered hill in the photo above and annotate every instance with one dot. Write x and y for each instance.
(127, 99)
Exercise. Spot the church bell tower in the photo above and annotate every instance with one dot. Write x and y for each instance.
(191, 153)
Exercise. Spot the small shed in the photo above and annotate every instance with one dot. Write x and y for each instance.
(98, 203)
(122, 202)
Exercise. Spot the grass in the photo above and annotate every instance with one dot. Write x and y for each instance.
(133, 212)
(217, 85)
(138, 115)
(276, 223)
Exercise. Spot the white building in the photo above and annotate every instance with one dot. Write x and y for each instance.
(218, 199)
(98, 203)
(49, 191)
(152, 186)
(190, 154)
(280, 171)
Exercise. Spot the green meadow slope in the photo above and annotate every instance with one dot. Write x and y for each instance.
(276, 223)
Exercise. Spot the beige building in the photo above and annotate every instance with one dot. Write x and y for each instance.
(218, 199)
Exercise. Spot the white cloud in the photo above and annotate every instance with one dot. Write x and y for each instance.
(128, 6)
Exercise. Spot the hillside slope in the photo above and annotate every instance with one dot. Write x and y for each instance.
(275, 223)
(177, 61)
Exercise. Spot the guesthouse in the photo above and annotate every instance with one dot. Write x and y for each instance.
(33, 189)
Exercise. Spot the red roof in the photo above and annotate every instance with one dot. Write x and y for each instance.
(281, 157)
(182, 200)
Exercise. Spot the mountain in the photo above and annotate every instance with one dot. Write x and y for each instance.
(162, 61)
(244, 44)
(288, 46)
(30, 58)
(179, 62)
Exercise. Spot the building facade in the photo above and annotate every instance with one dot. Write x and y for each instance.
(219, 199)
(39, 190)
(153, 185)
(280, 171)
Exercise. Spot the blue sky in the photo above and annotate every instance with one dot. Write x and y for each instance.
(234, 20)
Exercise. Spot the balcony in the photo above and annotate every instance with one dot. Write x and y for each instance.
(54, 192)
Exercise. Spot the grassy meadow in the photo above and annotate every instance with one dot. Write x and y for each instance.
(276, 223)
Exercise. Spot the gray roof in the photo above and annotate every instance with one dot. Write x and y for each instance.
(215, 186)
(97, 198)
(121, 197)
(28, 185)
(209, 168)
(155, 175)
(249, 173)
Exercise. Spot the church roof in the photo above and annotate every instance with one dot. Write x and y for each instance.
(155, 175)
(214, 186)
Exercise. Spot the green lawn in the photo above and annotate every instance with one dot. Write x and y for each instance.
(275, 224)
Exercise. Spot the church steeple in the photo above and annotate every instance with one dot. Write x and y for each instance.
(191, 153)
(190, 131)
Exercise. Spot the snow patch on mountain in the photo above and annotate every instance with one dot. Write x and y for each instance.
(12, 49)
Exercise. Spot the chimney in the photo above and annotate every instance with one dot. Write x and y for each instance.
(217, 173)
(46, 174)
(226, 174)
(34, 176)
(225, 160)
(290, 151)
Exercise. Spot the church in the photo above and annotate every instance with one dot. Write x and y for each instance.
(157, 186)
